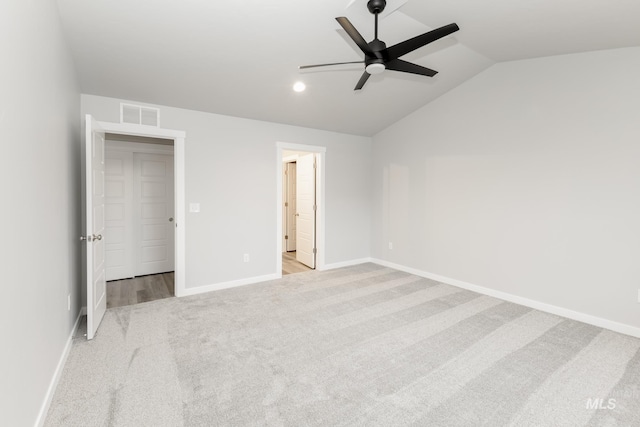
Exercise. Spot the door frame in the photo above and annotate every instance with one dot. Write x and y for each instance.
(320, 153)
(179, 140)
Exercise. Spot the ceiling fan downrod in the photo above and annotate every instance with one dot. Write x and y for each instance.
(376, 7)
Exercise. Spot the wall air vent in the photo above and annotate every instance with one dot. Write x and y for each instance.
(139, 115)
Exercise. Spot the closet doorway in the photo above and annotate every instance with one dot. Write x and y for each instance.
(139, 219)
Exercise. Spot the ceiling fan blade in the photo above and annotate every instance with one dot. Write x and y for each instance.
(410, 45)
(355, 35)
(408, 67)
(362, 81)
(303, 67)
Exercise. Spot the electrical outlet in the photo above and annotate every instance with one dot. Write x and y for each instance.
(69, 302)
(390, 245)
(246, 257)
(194, 207)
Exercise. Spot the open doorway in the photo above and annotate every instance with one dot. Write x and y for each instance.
(139, 219)
(300, 208)
(93, 185)
(298, 258)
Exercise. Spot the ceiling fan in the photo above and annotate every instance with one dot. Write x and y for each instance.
(378, 57)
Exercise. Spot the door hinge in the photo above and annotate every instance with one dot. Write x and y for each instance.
(286, 237)
(315, 208)
(286, 204)
(315, 251)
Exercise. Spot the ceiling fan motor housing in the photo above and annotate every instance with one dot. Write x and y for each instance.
(377, 47)
(376, 6)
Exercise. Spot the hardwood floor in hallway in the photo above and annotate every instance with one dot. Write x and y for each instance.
(291, 265)
(140, 289)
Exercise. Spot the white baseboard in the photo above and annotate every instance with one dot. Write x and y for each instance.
(44, 408)
(257, 279)
(345, 264)
(226, 285)
(548, 308)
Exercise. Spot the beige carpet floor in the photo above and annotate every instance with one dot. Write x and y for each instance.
(363, 345)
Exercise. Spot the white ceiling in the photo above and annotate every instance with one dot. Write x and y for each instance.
(240, 57)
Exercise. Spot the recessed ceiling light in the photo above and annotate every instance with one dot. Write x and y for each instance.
(299, 87)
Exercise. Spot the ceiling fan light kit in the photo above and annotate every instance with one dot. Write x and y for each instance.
(378, 57)
(375, 68)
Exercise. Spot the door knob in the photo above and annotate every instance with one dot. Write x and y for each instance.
(83, 238)
(170, 219)
(297, 214)
(98, 237)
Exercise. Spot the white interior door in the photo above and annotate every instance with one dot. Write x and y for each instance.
(154, 213)
(95, 189)
(118, 215)
(291, 206)
(306, 209)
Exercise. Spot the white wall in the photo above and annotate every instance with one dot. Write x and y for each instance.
(231, 172)
(39, 179)
(524, 180)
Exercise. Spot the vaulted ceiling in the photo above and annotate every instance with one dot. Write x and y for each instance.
(241, 57)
